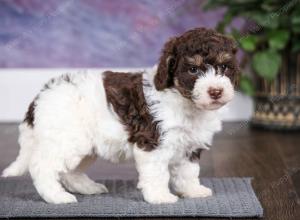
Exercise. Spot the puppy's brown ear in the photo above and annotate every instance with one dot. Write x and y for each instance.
(166, 67)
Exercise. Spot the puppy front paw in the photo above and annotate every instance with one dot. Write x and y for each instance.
(197, 192)
(159, 198)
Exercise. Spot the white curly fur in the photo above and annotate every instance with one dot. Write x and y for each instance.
(73, 125)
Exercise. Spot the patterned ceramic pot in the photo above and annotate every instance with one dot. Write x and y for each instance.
(277, 103)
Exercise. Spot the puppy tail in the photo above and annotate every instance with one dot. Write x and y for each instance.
(26, 142)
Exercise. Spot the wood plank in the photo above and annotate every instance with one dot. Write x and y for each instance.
(258, 156)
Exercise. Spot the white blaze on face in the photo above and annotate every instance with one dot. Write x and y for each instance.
(212, 91)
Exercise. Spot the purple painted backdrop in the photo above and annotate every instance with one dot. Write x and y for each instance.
(93, 33)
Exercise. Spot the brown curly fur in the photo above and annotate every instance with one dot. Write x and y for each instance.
(125, 92)
(199, 41)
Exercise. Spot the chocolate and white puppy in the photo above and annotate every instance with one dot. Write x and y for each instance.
(162, 118)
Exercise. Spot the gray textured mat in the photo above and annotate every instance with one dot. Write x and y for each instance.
(233, 197)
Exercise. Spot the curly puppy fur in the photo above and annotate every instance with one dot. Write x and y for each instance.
(163, 119)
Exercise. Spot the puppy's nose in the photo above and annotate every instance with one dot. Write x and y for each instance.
(215, 93)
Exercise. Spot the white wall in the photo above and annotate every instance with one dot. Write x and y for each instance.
(19, 86)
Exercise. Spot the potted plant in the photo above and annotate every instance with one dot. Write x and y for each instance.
(270, 40)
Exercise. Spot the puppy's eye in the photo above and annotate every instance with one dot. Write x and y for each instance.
(223, 67)
(193, 70)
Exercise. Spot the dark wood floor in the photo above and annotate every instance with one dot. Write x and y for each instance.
(272, 158)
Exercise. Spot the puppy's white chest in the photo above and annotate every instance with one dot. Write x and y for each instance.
(186, 134)
(189, 138)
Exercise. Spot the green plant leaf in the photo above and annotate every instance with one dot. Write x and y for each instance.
(278, 39)
(263, 19)
(246, 85)
(266, 64)
(248, 43)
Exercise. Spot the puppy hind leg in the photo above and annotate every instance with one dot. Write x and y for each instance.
(27, 144)
(48, 162)
(78, 182)
(46, 182)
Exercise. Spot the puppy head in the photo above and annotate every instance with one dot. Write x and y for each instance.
(201, 65)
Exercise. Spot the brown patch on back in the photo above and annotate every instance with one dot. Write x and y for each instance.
(124, 91)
